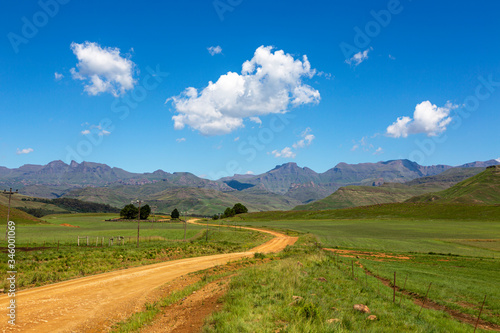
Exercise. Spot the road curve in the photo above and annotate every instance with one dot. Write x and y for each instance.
(95, 303)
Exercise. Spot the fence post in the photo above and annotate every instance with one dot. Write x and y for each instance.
(78, 237)
(87, 240)
(423, 302)
(394, 292)
(404, 286)
(479, 316)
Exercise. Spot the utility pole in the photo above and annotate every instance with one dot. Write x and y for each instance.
(138, 220)
(10, 193)
(185, 226)
(153, 208)
(206, 238)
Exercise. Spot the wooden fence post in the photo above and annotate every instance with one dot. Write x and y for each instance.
(423, 302)
(479, 316)
(404, 286)
(78, 237)
(394, 292)
(87, 240)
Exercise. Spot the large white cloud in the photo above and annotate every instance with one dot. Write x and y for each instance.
(427, 118)
(270, 82)
(103, 69)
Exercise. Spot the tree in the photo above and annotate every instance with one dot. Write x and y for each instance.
(239, 209)
(229, 212)
(145, 211)
(175, 214)
(129, 212)
(215, 217)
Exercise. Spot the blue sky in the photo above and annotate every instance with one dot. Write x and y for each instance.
(126, 83)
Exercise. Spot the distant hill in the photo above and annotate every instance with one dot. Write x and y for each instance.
(306, 185)
(354, 196)
(17, 216)
(483, 188)
(283, 187)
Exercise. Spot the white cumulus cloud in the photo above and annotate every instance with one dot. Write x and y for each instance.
(213, 50)
(284, 153)
(359, 57)
(85, 132)
(427, 118)
(24, 151)
(102, 69)
(378, 151)
(180, 140)
(270, 82)
(58, 76)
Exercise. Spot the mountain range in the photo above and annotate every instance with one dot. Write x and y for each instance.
(283, 187)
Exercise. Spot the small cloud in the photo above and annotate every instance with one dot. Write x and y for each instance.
(255, 120)
(213, 50)
(237, 139)
(378, 151)
(249, 172)
(354, 147)
(24, 151)
(306, 141)
(179, 140)
(58, 76)
(327, 76)
(359, 57)
(285, 153)
(392, 57)
(498, 160)
(427, 118)
(104, 132)
(96, 129)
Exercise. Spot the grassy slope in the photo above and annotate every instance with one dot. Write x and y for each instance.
(16, 201)
(483, 188)
(17, 216)
(354, 196)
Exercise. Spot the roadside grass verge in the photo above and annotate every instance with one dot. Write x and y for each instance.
(261, 299)
(151, 310)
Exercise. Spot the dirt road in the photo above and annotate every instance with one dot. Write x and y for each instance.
(95, 303)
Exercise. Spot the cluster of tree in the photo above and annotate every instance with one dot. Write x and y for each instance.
(39, 212)
(75, 205)
(230, 212)
(131, 212)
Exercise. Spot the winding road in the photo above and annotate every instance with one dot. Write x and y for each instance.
(95, 303)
